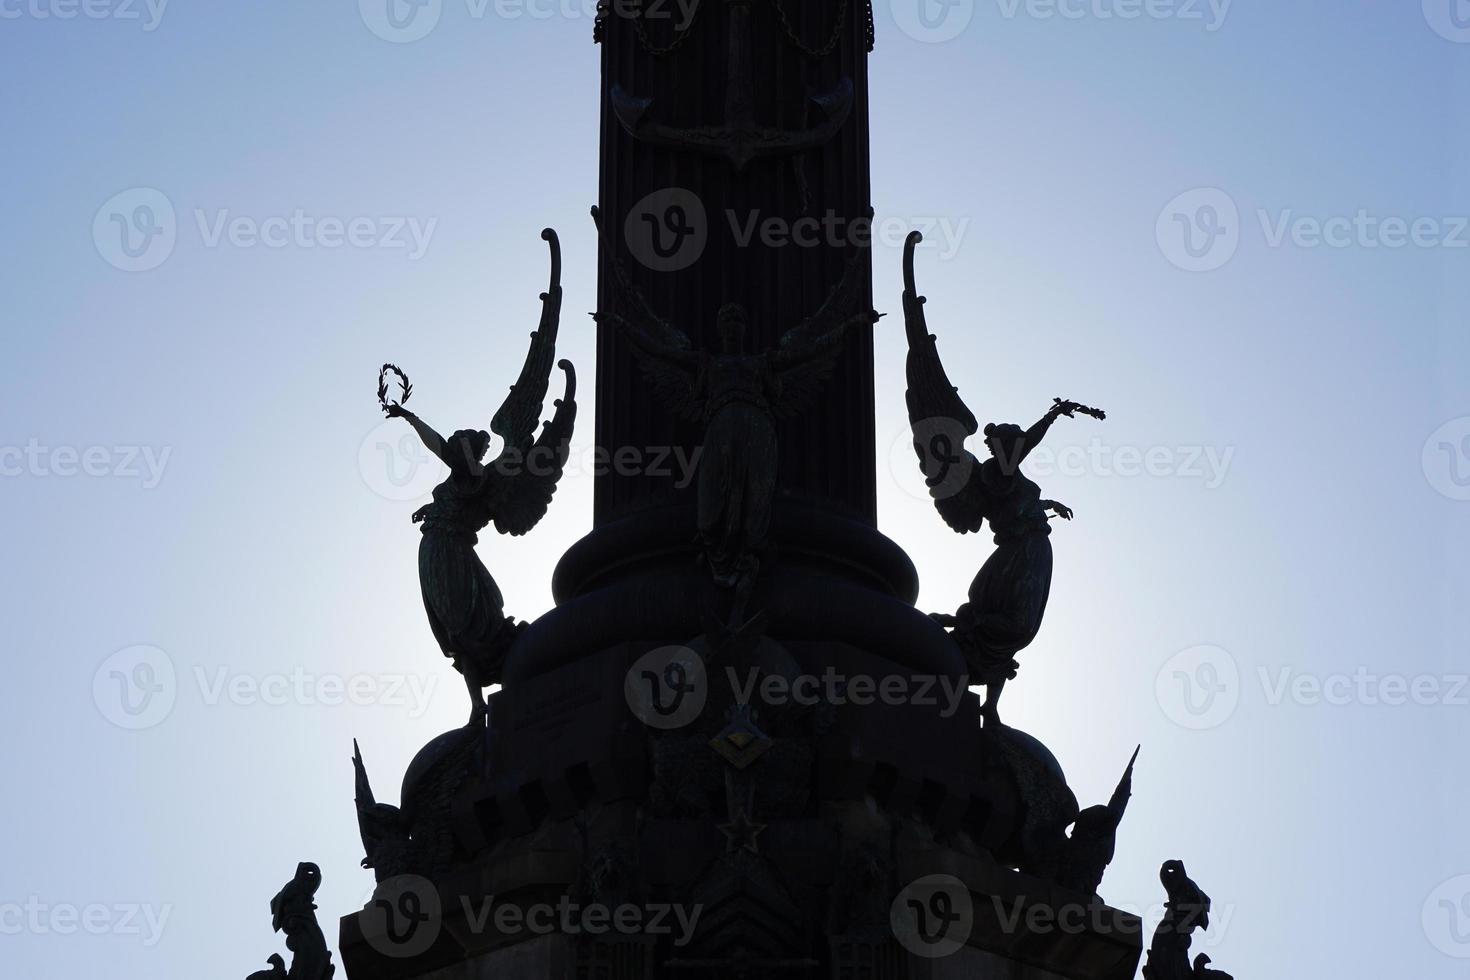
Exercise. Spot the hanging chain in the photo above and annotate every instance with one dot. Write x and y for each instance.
(832, 41)
(604, 13)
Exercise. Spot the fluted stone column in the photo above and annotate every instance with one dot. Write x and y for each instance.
(696, 226)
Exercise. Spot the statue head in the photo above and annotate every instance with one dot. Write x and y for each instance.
(310, 877)
(1189, 906)
(730, 325)
(1095, 823)
(1005, 441)
(471, 444)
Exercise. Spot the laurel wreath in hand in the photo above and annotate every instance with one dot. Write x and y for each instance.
(405, 388)
(1067, 408)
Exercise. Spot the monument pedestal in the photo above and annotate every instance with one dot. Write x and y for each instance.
(793, 823)
(1022, 929)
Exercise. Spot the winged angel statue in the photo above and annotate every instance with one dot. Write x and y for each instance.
(1008, 597)
(738, 398)
(464, 605)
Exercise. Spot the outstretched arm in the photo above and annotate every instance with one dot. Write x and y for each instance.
(788, 355)
(1037, 432)
(432, 440)
(648, 342)
(1059, 407)
(650, 333)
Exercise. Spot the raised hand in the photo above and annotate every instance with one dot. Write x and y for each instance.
(1070, 408)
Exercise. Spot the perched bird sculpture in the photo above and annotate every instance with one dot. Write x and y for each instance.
(1008, 597)
(1079, 860)
(1187, 909)
(416, 837)
(293, 912)
(386, 835)
(465, 608)
(297, 896)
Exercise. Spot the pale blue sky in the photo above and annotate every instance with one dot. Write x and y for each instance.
(1302, 513)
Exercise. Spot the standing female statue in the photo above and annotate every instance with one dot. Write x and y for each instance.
(466, 611)
(1008, 597)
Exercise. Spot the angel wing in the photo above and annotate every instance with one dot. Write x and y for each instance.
(938, 417)
(665, 356)
(808, 352)
(520, 413)
(1124, 792)
(526, 494)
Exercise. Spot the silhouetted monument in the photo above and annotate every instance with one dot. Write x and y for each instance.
(738, 399)
(735, 748)
(463, 602)
(293, 913)
(1187, 910)
(1008, 596)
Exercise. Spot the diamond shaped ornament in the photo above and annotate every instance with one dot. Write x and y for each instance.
(741, 742)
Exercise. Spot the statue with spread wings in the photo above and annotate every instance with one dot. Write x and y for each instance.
(464, 605)
(738, 398)
(1008, 597)
(1078, 860)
